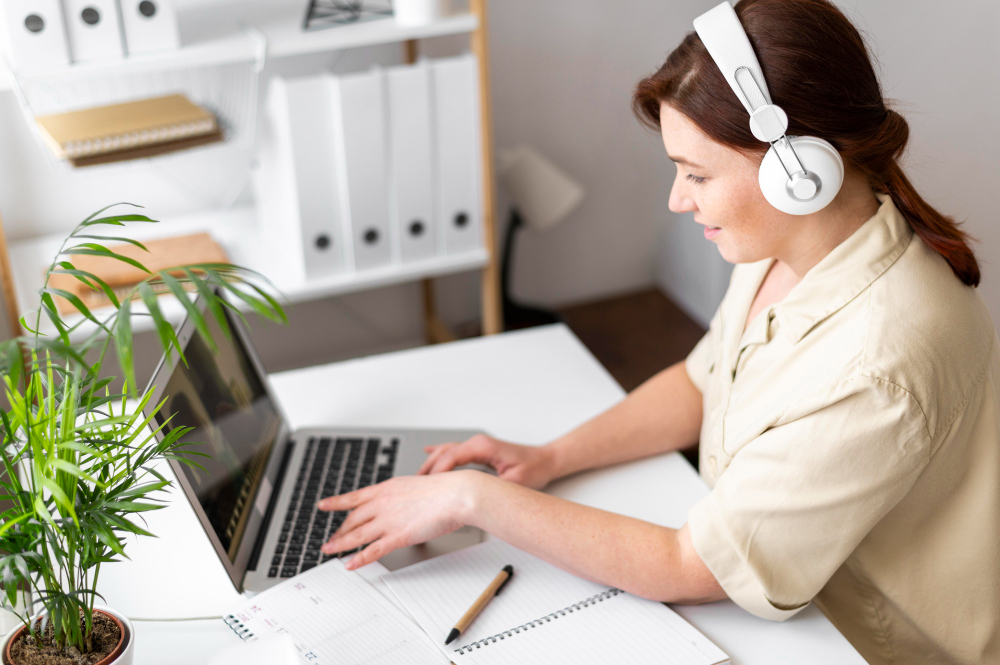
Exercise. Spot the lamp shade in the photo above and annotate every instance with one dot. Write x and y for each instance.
(542, 193)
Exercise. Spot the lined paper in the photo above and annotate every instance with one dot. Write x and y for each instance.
(335, 617)
(540, 616)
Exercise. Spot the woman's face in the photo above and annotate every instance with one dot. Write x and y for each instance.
(719, 185)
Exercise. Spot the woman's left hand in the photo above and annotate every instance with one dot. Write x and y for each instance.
(399, 512)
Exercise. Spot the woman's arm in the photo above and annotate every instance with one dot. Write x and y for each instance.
(661, 415)
(639, 557)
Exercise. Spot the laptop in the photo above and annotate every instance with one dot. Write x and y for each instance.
(256, 494)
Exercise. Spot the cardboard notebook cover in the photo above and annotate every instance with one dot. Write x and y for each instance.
(123, 127)
(121, 277)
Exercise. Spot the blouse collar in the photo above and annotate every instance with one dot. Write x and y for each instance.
(846, 271)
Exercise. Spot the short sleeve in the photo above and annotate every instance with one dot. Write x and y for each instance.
(699, 362)
(795, 502)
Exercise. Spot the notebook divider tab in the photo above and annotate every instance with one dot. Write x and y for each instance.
(548, 618)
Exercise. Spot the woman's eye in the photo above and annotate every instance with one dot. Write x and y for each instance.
(696, 179)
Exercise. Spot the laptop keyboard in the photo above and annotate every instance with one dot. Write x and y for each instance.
(330, 467)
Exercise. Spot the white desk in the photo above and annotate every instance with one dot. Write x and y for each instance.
(528, 387)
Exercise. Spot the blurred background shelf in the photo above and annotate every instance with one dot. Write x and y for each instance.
(231, 50)
(223, 33)
(236, 231)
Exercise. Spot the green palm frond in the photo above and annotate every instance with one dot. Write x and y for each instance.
(77, 460)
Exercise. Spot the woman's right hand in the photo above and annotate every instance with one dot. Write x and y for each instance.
(531, 466)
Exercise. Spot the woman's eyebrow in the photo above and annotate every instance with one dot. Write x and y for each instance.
(681, 160)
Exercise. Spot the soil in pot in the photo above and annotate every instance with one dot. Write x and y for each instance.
(105, 638)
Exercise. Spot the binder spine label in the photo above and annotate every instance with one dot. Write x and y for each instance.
(548, 618)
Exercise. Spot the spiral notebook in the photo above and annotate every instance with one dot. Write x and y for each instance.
(544, 615)
(334, 617)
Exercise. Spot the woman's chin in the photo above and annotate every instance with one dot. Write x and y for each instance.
(733, 255)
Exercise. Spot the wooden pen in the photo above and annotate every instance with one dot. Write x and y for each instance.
(484, 598)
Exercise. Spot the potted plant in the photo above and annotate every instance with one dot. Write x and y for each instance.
(77, 460)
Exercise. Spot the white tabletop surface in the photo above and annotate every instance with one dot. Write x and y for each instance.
(529, 387)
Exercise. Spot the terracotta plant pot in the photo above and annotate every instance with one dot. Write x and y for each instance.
(123, 654)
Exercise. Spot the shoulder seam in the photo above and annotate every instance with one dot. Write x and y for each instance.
(973, 389)
(923, 414)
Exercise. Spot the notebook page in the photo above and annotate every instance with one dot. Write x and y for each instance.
(335, 618)
(437, 592)
(620, 629)
(617, 627)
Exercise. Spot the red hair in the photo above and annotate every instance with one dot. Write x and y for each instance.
(818, 70)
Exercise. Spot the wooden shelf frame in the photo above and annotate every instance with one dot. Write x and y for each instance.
(228, 48)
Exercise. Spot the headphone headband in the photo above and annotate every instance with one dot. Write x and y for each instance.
(722, 34)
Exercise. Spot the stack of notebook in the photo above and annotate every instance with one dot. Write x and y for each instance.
(156, 255)
(131, 130)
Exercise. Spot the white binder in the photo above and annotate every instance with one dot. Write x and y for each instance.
(34, 35)
(150, 25)
(359, 112)
(410, 161)
(297, 185)
(94, 29)
(458, 165)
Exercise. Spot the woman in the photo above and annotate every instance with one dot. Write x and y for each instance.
(845, 396)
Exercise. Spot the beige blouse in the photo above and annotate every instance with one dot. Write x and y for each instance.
(851, 437)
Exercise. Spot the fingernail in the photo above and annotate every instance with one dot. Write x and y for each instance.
(327, 549)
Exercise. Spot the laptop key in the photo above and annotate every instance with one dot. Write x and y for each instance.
(279, 549)
(273, 571)
(283, 537)
(288, 572)
(307, 566)
(294, 549)
(276, 561)
(311, 555)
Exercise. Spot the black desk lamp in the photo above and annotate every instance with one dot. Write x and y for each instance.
(541, 195)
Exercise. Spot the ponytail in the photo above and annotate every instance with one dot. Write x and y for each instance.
(878, 157)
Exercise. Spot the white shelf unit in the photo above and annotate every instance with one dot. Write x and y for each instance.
(224, 40)
(236, 231)
(222, 37)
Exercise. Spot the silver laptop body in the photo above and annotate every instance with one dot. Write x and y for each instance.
(255, 496)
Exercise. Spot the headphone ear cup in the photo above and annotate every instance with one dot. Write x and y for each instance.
(818, 157)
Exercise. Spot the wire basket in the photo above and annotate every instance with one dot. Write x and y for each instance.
(322, 14)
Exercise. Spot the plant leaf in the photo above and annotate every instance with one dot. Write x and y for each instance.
(123, 342)
(92, 249)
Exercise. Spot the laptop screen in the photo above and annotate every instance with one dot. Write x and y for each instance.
(221, 396)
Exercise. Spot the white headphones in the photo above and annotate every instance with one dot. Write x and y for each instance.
(784, 179)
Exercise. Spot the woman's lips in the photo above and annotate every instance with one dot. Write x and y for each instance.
(712, 231)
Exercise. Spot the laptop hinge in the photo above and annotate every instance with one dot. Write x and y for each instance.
(258, 545)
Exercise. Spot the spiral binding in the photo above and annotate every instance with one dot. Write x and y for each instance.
(493, 639)
(239, 628)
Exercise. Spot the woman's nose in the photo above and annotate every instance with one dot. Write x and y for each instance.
(680, 200)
